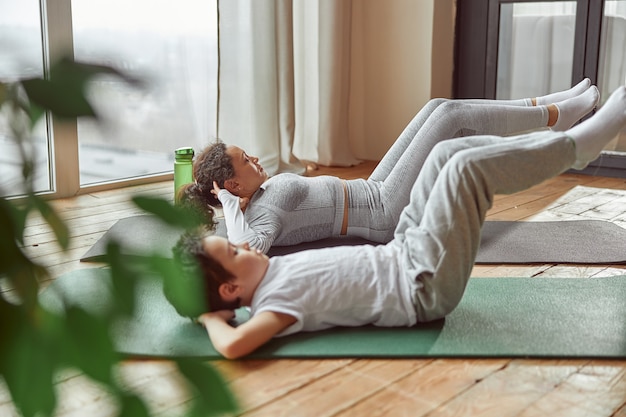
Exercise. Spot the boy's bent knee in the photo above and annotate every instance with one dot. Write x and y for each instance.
(436, 299)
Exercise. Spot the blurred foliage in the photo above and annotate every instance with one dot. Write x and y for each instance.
(35, 344)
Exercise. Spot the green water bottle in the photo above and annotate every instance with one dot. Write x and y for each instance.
(183, 168)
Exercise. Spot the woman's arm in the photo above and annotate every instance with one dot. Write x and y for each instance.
(237, 228)
(235, 342)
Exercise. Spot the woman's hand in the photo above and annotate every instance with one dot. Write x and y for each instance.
(243, 202)
(216, 189)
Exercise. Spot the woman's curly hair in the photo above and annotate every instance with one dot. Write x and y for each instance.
(212, 164)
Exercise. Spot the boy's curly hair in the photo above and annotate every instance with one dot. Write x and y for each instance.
(195, 265)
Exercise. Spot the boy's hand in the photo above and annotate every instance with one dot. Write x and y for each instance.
(224, 315)
(235, 342)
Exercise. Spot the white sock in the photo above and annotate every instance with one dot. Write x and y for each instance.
(573, 109)
(593, 134)
(579, 88)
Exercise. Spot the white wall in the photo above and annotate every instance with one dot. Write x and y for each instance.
(393, 70)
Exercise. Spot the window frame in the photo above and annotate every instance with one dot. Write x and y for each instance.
(476, 54)
(64, 169)
(476, 58)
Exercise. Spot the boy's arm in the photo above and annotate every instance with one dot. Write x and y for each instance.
(235, 342)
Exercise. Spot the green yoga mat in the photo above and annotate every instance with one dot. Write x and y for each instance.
(497, 317)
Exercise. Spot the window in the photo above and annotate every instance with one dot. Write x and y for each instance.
(535, 48)
(170, 45)
(612, 65)
(21, 56)
(564, 42)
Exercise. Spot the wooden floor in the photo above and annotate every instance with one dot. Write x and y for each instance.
(365, 387)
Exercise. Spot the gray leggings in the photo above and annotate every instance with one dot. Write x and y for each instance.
(439, 230)
(375, 204)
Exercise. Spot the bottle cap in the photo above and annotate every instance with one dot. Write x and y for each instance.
(184, 153)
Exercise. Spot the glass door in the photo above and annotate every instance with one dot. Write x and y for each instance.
(21, 56)
(519, 48)
(172, 47)
(612, 63)
(535, 48)
(536, 52)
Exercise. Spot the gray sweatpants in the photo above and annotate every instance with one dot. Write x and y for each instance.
(375, 204)
(439, 230)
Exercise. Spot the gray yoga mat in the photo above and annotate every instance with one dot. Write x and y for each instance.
(497, 317)
(503, 242)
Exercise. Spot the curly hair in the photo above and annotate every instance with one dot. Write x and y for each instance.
(191, 197)
(212, 164)
(194, 265)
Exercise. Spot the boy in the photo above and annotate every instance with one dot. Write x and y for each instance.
(419, 276)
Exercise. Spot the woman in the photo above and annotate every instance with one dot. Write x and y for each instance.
(289, 209)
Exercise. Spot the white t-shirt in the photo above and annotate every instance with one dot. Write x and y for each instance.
(346, 286)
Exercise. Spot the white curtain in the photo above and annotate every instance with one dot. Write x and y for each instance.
(283, 80)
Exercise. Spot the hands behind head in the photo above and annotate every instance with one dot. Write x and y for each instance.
(223, 315)
(216, 189)
(243, 202)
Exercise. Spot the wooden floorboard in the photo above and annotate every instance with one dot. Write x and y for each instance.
(358, 387)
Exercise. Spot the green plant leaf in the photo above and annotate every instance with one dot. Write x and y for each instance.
(25, 276)
(68, 70)
(124, 274)
(51, 217)
(4, 93)
(65, 98)
(183, 289)
(169, 213)
(12, 220)
(11, 256)
(18, 268)
(88, 345)
(28, 365)
(34, 342)
(11, 321)
(212, 395)
(35, 113)
(132, 406)
(64, 92)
